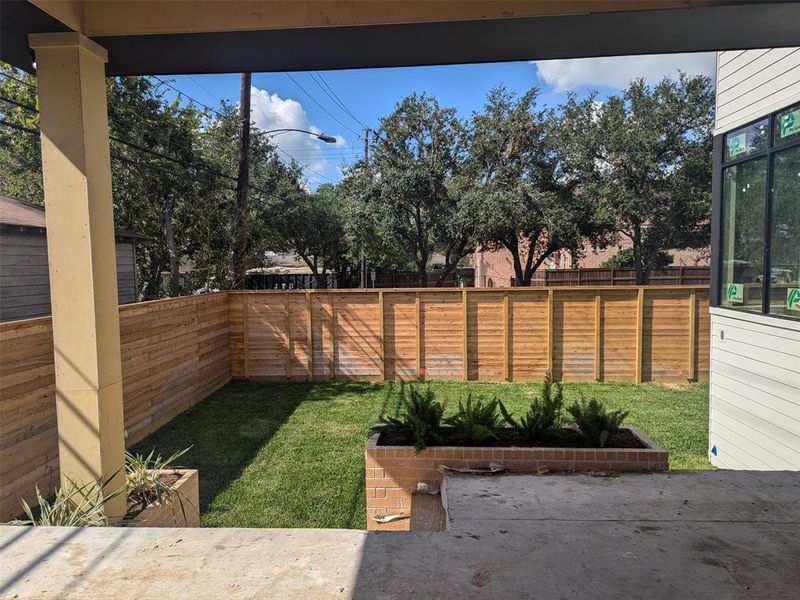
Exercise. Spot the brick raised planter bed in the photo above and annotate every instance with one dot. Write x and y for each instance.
(394, 471)
(170, 513)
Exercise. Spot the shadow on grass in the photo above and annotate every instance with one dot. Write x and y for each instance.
(228, 428)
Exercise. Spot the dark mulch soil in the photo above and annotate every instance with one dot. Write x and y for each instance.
(508, 437)
(139, 501)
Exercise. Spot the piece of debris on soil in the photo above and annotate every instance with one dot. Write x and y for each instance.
(424, 488)
(493, 468)
(542, 469)
(603, 474)
(389, 518)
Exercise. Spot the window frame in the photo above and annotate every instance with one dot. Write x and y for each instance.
(718, 203)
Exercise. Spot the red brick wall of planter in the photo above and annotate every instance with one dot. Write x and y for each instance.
(392, 472)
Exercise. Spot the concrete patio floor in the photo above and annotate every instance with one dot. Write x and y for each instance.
(718, 534)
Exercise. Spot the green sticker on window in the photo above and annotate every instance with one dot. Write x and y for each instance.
(793, 299)
(790, 123)
(735, 292)
(737, 145)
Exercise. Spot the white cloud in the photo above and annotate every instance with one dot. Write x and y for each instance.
(270, 111)
(618, 71)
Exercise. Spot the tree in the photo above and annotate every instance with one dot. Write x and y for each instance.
(624, 260)
(516, 192)
(312, 225)
(415, 152)
(173, 168)
(645, 156)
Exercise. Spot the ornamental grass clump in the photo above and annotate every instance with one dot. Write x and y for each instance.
(143, 478)
(595, 422)
(477, 421)
(421, 418)
(542, 422)
(72, 506)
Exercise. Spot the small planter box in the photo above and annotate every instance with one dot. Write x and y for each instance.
(394, 471)
(170, 513)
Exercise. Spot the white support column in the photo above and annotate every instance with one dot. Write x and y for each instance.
(76, 164)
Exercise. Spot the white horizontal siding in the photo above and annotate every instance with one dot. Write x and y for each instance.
(754, 83)
(754, 415)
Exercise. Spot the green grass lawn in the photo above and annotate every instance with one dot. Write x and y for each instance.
(292, 455)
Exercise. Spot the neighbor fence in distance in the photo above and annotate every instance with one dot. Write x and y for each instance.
(601, 276)
(517, 334)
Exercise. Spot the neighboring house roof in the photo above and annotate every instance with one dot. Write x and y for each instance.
(18, 215)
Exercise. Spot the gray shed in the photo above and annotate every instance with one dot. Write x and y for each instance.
(24, 276)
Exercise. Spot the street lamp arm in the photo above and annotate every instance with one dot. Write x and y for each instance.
(320, 136)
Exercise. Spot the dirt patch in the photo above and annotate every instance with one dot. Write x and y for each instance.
(139, 501)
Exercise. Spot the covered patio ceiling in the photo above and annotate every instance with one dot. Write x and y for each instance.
(151, 38)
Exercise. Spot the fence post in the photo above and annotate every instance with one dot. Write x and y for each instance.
(506, 366)
(288, 324)
(550, 343)
(333, 335)
(310, 336)
(417, 306)
(382, 336)
(692, 335)
(639, 333)
(245, 336)
(598, 340)
(465, 333)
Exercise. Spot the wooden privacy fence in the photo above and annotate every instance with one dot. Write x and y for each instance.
(518, 334)
(174, 353)
(603, 276)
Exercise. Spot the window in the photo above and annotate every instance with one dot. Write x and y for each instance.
(787, 125)
(784, 294)
(759, 223)
(747, 140)
(742, 249)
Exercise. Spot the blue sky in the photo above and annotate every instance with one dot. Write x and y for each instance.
(369, 94)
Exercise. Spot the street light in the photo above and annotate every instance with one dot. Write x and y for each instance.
(328, 139)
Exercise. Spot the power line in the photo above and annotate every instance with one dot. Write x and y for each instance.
(320, 105)
(175, 89)
(182, 93)
(335, 97)
(204, 88)
(118, 157)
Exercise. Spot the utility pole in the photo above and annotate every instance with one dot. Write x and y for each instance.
(242, 184)
(364, 283)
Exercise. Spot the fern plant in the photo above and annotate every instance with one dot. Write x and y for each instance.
(476, 420)
(595, 422)
(421, 418)
(72, 506)
(543, 419)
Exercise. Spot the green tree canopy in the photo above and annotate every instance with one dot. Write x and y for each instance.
(517, 195)
(645, 157)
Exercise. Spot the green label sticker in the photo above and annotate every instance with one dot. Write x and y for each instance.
(737, 145)
(790, 123)
(793, 299)
(735, 292)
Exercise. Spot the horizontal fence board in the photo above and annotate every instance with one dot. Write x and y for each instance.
(174, 353)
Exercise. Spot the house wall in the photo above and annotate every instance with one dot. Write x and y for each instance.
(754, 413)
(754, 83)
(498, 265)
(25, 281)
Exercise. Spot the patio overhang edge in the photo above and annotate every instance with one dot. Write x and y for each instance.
(650, 31)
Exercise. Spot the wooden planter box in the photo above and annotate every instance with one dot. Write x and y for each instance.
(392, 472)
(170, 513)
